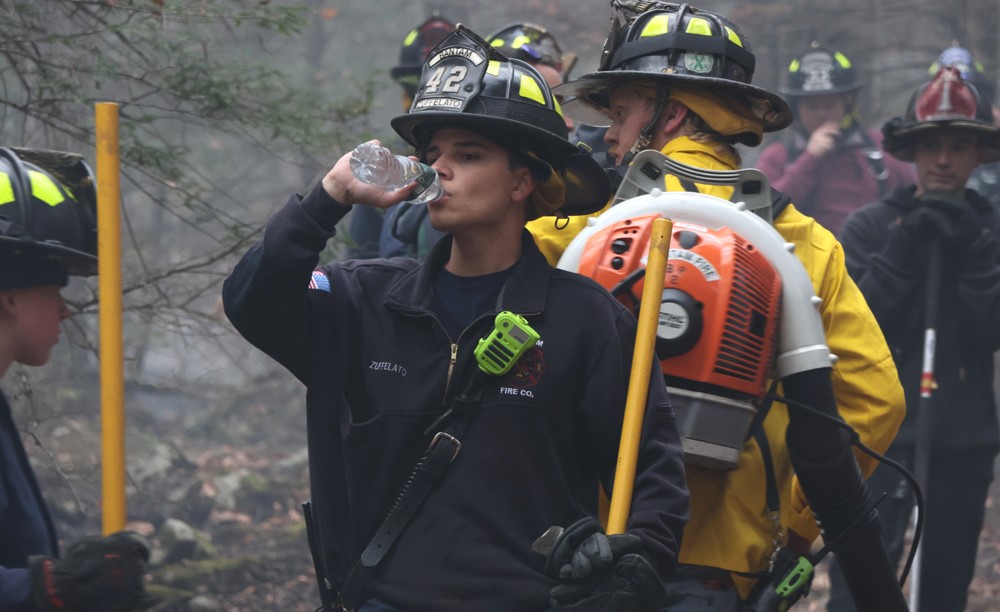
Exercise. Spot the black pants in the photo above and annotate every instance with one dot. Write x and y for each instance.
(954, 505)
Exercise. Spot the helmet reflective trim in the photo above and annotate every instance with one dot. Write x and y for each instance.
(657, 26)
(842, 60)
(528, 88)
(410, 37)
(697, 25)
(733, 36)
(43, 188)
(6, 189)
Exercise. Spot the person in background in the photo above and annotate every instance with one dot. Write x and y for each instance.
(829, 165)
(537, 46)
(947, 132)
(385, 348)
(47, 234)
(985, 179)
(371, 230)
(678, 80)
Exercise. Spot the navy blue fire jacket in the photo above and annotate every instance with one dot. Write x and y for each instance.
(25, 526)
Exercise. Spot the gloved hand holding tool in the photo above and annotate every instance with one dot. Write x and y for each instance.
(606, 573)
(97, 574)
(598, 572)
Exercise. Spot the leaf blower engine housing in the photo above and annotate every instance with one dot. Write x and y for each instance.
(720, 312)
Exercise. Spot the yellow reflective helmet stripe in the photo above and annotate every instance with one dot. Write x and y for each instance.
(697, 25)
(493, 67)
(45, 189)
(6, 189)
(794, 66)
(733, 36)
(842, 60)
(657, 25)
(520, 41)
(497, 42)
(529, 89)
(410, 38)
(558, 106)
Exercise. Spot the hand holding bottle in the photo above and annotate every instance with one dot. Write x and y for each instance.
(344, 187)
(377, 165)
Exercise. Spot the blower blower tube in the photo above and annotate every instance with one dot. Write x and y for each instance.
(828, 472)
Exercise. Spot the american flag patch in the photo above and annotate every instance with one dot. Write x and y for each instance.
(319, 281)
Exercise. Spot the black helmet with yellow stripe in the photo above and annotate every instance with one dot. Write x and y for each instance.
(682, 48)
(416, 45)
(467, 84)
(48, 209)
(532, 43)
(820, 71)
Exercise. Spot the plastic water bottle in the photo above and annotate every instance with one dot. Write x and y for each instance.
(377, 165)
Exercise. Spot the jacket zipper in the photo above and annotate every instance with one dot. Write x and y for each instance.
(451, 369)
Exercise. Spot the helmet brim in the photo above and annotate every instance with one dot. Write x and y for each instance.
(77, 263)
(581, 105)
(899, 139)
(795, 94)
(587, 188)
(406, 73)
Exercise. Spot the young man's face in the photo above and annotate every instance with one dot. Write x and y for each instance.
(481, 189)
(630, 111)
(814, 111)
(36, 313)
(945, 160)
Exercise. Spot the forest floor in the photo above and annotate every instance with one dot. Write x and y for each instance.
(261, 561)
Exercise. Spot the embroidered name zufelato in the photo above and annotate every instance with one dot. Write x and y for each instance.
(387, 366)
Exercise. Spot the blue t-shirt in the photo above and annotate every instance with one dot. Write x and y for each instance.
(460, 300)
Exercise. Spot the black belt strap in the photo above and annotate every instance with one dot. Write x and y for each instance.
(426, 473)
(429, 469)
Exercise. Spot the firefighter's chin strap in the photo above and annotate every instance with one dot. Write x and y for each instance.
(646, 134)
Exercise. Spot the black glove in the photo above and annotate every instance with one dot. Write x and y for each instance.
(104, 574)
(632, 586)
(983, 254)
(601, 572)
(951, 220)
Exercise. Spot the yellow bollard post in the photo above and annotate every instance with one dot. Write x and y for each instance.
(638, 384)
(110, 286)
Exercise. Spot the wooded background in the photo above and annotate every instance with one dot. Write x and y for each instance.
(228, 106)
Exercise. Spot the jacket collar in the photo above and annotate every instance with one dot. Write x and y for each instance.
(524, 292)
(708, 157)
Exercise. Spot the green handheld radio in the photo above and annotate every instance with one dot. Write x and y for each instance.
(495, 354)
(511, 336)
